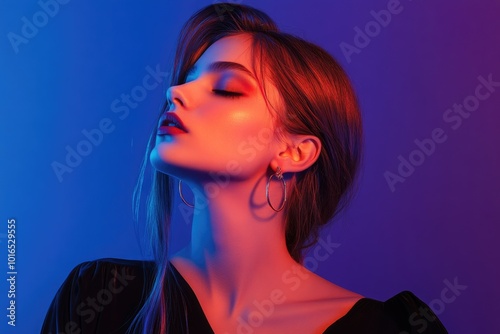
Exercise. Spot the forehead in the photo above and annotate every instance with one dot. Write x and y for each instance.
(237, 49)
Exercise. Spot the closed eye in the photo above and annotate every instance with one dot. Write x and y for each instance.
(226, 93)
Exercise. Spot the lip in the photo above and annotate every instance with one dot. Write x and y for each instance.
(169, 130)
(171, 124)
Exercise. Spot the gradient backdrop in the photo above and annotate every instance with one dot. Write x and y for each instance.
(427, 212)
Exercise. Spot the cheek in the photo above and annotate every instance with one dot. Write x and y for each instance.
(243, 127)
(248, 120)
(249, 144)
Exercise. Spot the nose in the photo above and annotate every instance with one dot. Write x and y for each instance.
(176, 96)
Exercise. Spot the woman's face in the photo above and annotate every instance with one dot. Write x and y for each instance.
(229, 127)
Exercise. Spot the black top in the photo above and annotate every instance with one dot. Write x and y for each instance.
(103, 296)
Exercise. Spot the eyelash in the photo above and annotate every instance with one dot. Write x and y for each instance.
(226, 93)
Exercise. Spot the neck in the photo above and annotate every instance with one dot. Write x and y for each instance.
(237, 240)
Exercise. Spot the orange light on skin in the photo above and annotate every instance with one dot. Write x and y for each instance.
(222, 105)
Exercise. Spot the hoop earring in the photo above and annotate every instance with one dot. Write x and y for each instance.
(182, 197)
(279, 176)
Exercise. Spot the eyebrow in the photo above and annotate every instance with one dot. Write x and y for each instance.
(220, 66)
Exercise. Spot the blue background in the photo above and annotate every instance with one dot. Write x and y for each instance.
(441, 224)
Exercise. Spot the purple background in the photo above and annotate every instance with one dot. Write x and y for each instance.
(439, 225)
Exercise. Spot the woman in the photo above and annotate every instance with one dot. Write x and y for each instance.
(264, 128)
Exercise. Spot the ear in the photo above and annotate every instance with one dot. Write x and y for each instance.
(298, 153)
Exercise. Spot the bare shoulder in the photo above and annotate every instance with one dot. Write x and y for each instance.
(310, 286)
(316, 299)
(333, 291)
